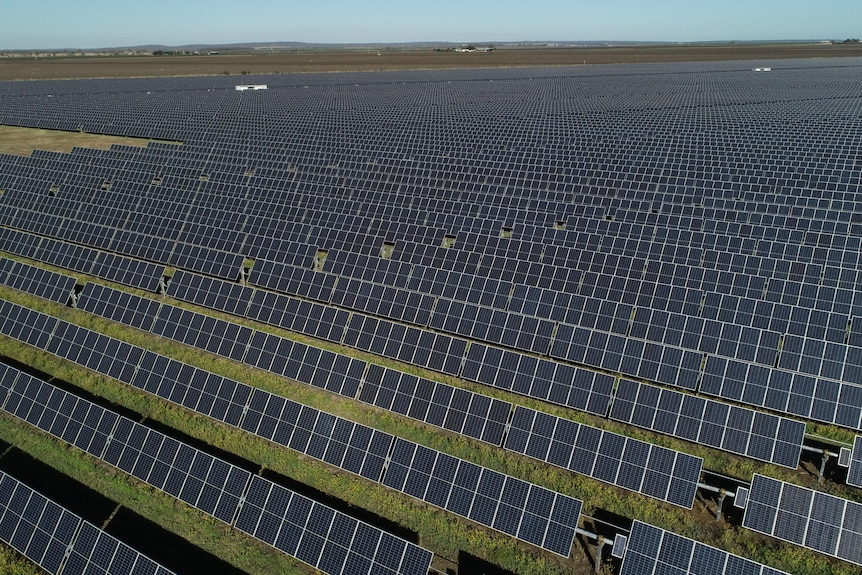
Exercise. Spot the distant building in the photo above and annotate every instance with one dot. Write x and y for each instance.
(243, 87)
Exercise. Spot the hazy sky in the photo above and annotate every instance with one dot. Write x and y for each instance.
(27, 24)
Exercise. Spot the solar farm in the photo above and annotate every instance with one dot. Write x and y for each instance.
(554, 320)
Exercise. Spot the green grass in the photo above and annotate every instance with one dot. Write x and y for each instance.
(13, 563)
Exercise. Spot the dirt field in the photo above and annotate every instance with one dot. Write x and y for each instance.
(340, 61)
(22, 141)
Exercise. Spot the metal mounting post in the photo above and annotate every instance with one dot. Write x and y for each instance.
(823, 460)
(600, 544)
(721, 495)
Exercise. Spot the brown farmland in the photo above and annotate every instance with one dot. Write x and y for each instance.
(359, 60)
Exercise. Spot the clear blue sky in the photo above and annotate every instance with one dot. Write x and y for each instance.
(51, 24)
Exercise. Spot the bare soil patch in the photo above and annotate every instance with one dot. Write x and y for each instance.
(23, 141)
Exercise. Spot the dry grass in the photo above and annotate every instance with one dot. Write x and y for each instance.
(22, 141)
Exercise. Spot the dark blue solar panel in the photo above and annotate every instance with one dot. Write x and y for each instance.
(43, 283)
(57, 540)
(650, 549)
(128, 271)
(209, 292)
(118, 305)
(819, 521)
(854, 473)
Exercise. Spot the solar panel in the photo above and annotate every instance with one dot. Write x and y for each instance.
(322, 537)
(293, 280)
(217, 336)
(652, 470)
(552, 381)
(208, 261)
(293, 314)
(666, 364)
(520, 509)
(213, 293)
(21, 243)
(97, 352)
(812, 519)
(438, 404)
(128, 271)
(854, 472)
(650, 549)
(785, 391)
(98, 553)
(26, 325)
(732, 428)
(60, 254)
(119, 306)
(35, 526)
(46, 284)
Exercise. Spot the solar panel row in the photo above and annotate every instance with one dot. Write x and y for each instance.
(735, 429)
(351, 446)
(209, 484)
